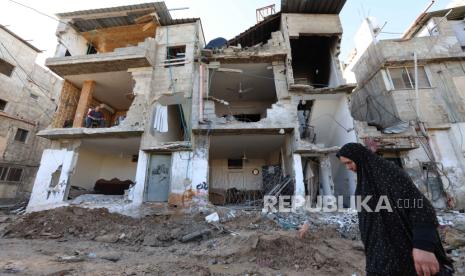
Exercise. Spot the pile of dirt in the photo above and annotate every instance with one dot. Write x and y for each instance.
(241, 243)
(318, 255)
(100, 225)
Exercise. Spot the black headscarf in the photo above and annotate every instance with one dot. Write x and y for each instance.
(389, 237)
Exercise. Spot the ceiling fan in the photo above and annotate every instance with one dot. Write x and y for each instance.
(240, 90)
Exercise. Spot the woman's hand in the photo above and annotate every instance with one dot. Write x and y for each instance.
(303, 229)
(426, 263)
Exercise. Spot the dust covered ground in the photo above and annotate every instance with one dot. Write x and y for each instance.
(77, 241)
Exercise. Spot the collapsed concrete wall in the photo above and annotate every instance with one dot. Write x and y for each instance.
(52, 180)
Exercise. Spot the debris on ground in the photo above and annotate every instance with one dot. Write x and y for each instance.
(75, 241)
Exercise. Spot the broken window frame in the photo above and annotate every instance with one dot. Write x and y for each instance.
(6, 68)
(14, 174)
(3, 173)
(10, 174)
(3, 104)
(174, 60)
(408, 71)
(21, 135)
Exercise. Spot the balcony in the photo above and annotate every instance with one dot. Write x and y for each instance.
(112, 92)
(121, 59)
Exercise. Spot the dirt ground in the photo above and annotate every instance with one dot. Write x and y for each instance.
(77, 241)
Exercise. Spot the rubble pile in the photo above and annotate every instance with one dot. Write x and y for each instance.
(232, 240)
(452, 230)
(345, 223)
(214, 240)
(102, 226)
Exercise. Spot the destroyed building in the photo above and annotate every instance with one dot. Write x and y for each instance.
(274, 105)
(27, 104)
(417, 124)
(262, 115)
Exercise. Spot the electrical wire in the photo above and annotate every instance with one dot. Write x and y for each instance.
(25, 86)
(29, 78)
(62, 22)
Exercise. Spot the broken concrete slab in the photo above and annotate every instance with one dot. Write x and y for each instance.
(196, 235)
(64, 133)
(112, 256)
(130, 57)
(108, 238)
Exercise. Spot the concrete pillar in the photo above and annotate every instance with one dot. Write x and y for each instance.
(326, 176)
(200, 165)
(136, 194)
(299, 176)
(84, 102)
(280, 80)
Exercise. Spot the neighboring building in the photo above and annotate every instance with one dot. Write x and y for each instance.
(225, 125)
(27, 104)
(425, 135)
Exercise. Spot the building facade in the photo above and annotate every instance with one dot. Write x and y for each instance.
(417, 124)
(185, 122)
(28, 95)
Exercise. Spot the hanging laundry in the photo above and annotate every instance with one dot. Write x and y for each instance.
(160, 120)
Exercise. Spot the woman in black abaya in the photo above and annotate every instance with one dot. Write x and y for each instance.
(403, 241)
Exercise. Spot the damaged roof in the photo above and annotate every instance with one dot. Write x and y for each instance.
(87, 20)
(312, 6)
(259, 33)
(457, 13)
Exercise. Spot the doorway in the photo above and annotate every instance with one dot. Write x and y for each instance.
(158, 184)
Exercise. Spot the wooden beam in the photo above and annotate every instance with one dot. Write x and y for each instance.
(148, 26)
(84, 102)
(107, 39)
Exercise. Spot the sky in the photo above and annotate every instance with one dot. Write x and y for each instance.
(220, 18)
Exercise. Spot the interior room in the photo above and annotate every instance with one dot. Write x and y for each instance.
(311, 172)
(245, 167)
(311, 60)
(105, 166)
(113, 90)
(324, 120)
(248, 90)
(121, 30)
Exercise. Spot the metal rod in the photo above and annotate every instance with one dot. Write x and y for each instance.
(417, 97)
(178, 9)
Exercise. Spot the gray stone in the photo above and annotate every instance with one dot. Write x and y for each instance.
(455, 239)
(460, 225)
(153, 241)
(212, 262)
(70, 258)
(109, 238)
(110, 256)
(196, 235)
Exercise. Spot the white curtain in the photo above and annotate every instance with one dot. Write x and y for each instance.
(160, 120)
